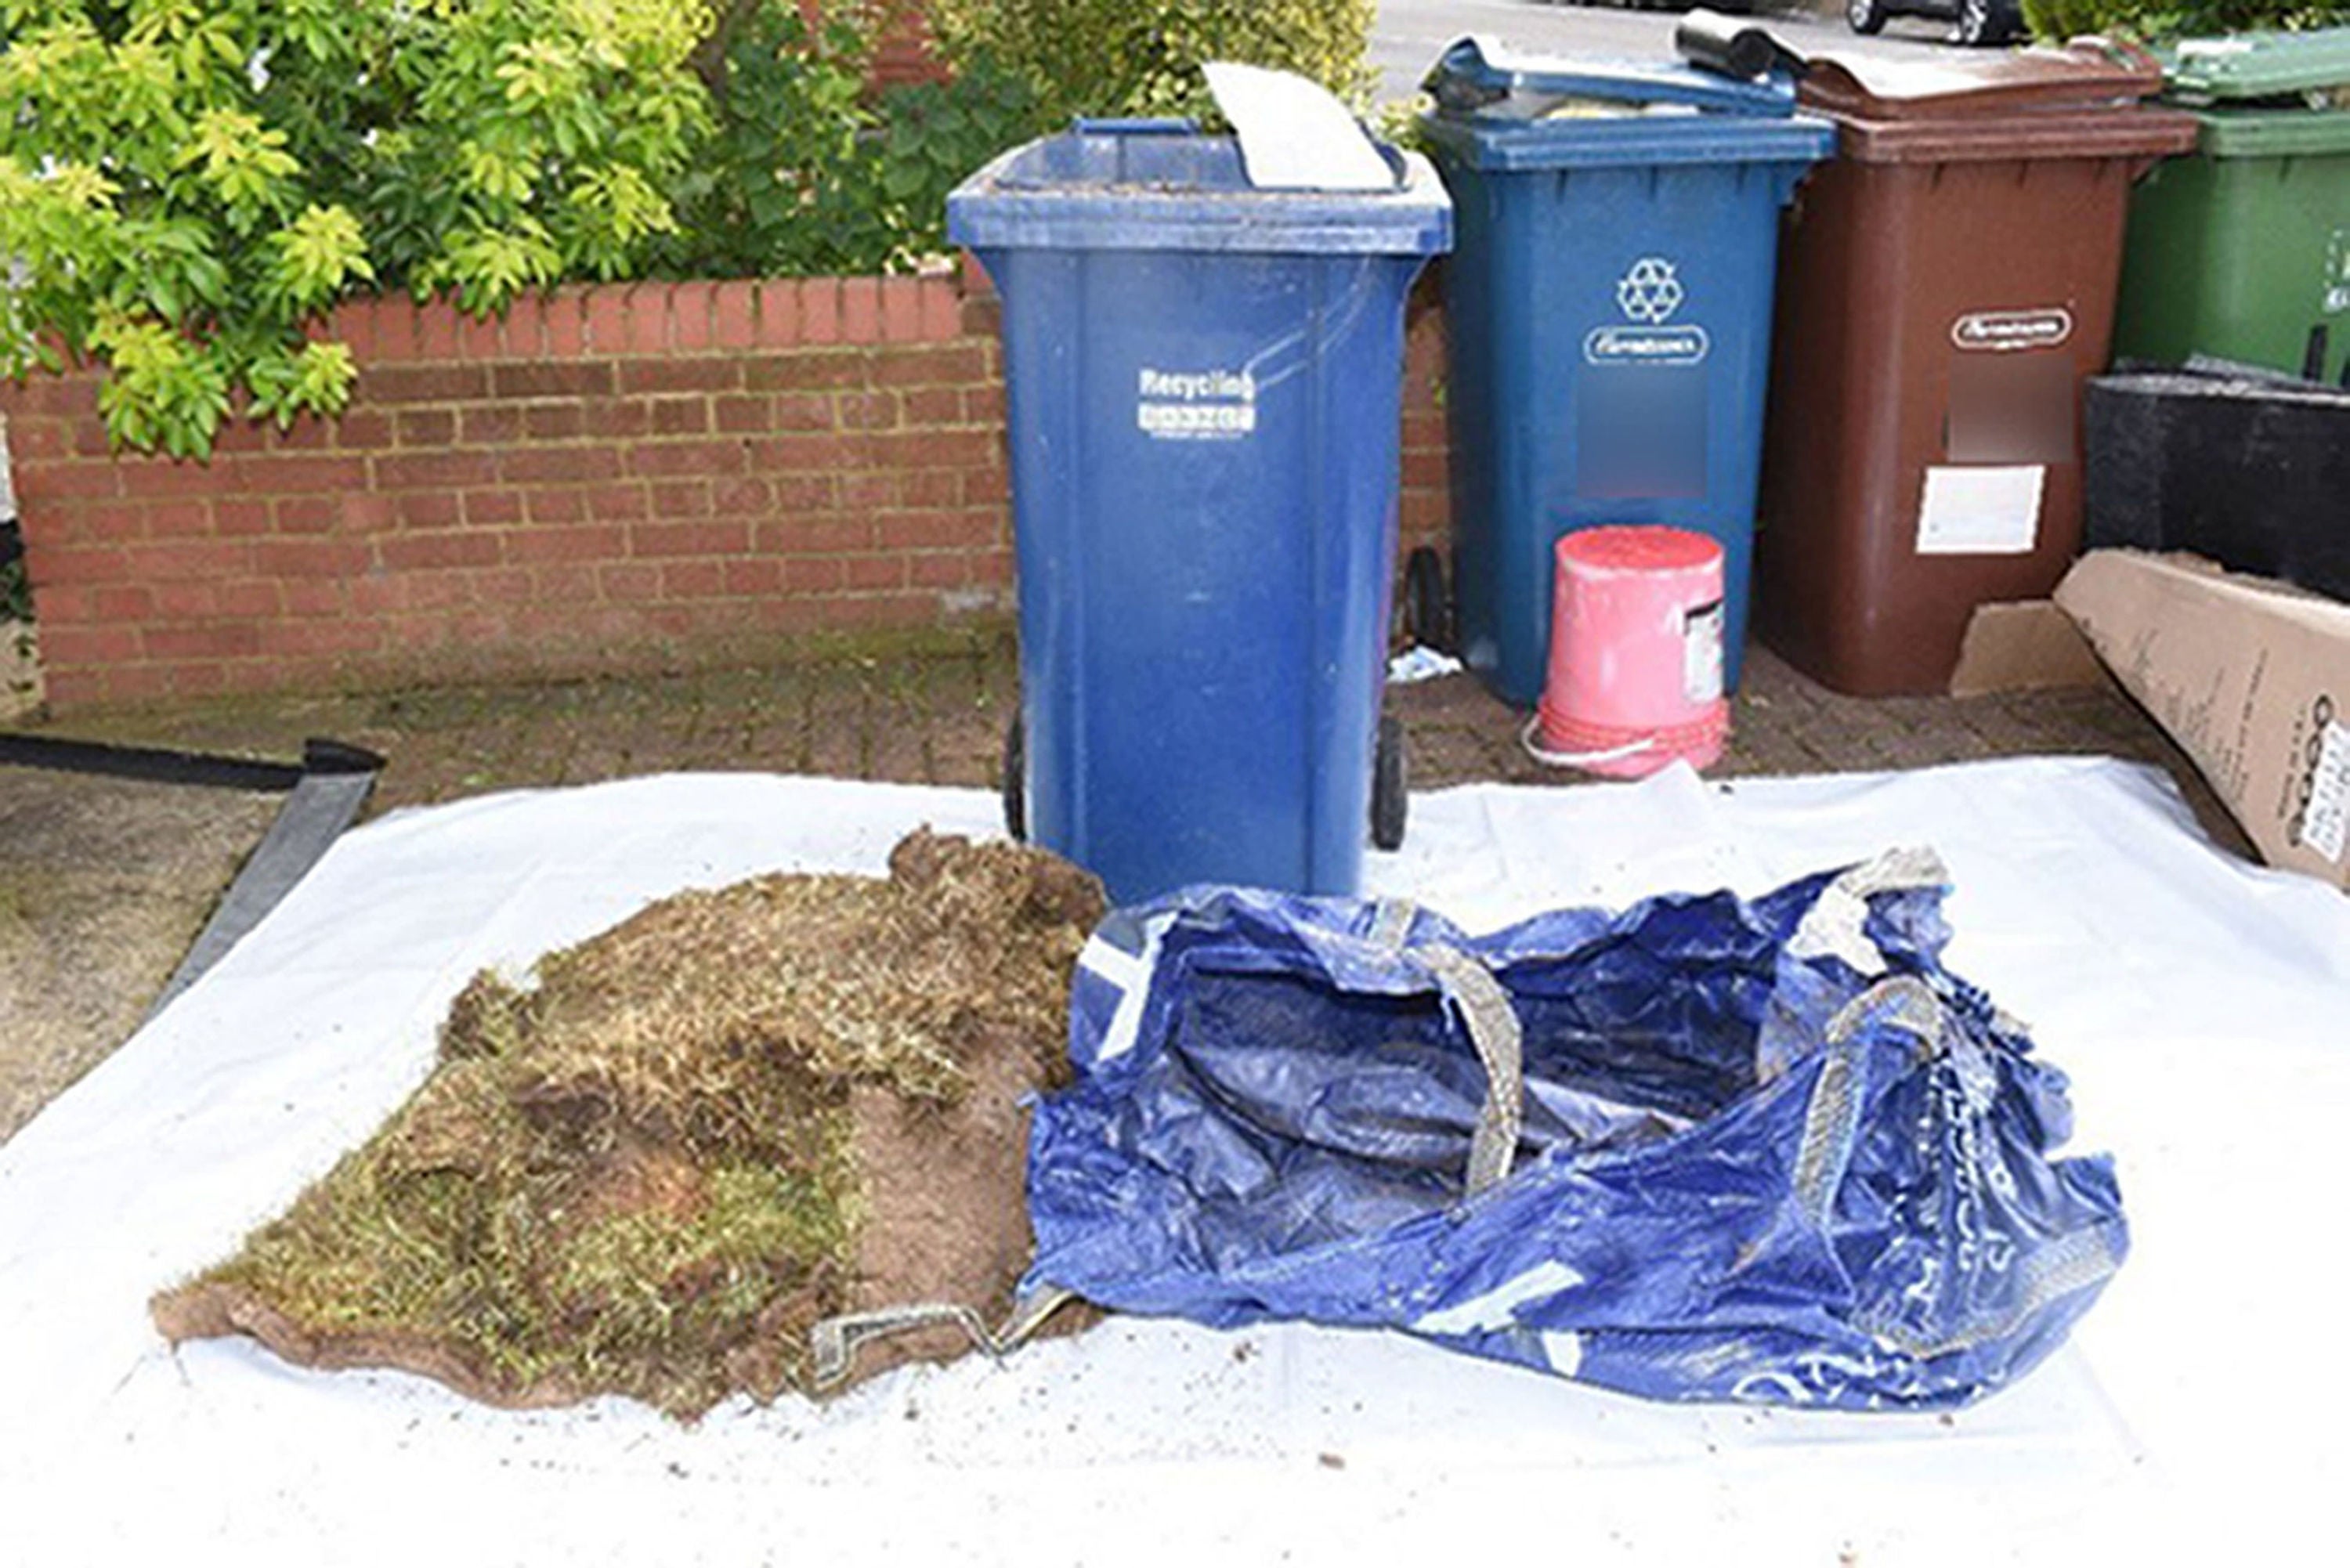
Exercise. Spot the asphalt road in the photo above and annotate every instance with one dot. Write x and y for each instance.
(1410, 33)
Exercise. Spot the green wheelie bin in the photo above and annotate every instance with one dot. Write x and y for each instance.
(2240, 249)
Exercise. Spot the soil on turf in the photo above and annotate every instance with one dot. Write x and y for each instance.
(652, 1166)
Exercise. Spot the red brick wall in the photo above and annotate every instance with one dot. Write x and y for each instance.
(610, 478)
(616, 478)
(1427, 501)
(903, 50)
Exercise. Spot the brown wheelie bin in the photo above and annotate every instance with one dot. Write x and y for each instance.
(1946, 285)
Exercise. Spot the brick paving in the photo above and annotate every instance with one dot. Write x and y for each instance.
(1785, 723)
(934, 712)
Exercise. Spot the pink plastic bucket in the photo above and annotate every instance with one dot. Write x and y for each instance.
(1635, 673)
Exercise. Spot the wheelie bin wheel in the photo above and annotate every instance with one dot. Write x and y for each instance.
(1427, 605)
(1865, 16)
(1015, 783)
(1387, 787)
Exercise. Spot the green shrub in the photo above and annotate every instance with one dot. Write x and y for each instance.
(1143, 57)
(184, 184)
(810, 174)
(187, 185)
(2161, 20)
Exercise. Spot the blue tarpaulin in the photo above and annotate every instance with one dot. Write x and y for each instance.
(1704, 1148)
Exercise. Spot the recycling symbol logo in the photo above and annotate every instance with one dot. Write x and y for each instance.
(1649, 292)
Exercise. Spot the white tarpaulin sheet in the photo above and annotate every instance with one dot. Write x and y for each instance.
(2201, 1006)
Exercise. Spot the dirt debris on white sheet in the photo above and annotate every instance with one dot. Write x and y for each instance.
(2198, 1002)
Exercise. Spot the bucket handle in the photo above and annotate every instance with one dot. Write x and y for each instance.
(1549, 759)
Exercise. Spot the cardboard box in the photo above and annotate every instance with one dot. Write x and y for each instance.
(2251, 676)
(2028, 646)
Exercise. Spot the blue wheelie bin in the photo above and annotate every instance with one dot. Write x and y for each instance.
(1609, 320)
(1204, 383)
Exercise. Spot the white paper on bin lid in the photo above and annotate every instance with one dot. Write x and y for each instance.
(1295, 135)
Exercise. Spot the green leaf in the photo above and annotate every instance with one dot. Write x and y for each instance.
(317, 255)
(183, 183)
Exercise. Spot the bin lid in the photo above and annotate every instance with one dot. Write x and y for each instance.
(2080, 101)
(2260, 65)
(2273, 133)
(1477, 69)
(1160, 185)
(2084, 74)
(1498, 109)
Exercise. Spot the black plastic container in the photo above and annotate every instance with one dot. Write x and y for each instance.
(2253, 473)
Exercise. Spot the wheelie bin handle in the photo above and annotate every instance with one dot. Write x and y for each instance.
(1135, 125)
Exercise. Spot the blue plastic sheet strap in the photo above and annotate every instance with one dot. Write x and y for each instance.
(1493, 1031)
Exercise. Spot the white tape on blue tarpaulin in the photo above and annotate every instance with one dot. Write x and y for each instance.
(2200, 1006)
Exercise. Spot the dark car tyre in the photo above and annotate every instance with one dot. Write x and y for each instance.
(1865, 16)
(1987, 22)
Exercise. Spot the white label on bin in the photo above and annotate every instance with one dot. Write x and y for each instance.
(1644, 345)
(1701, 651)
(1980, 511)
(2337, 273)
(2325, 821)
(2005, 331)
(1196, 405)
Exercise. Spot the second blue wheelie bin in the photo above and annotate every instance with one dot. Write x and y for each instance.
(1608, 317)
(1203, 382)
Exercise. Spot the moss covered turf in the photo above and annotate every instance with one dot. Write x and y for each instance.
(638, 1173)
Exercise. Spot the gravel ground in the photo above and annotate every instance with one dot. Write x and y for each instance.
(103, 884)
